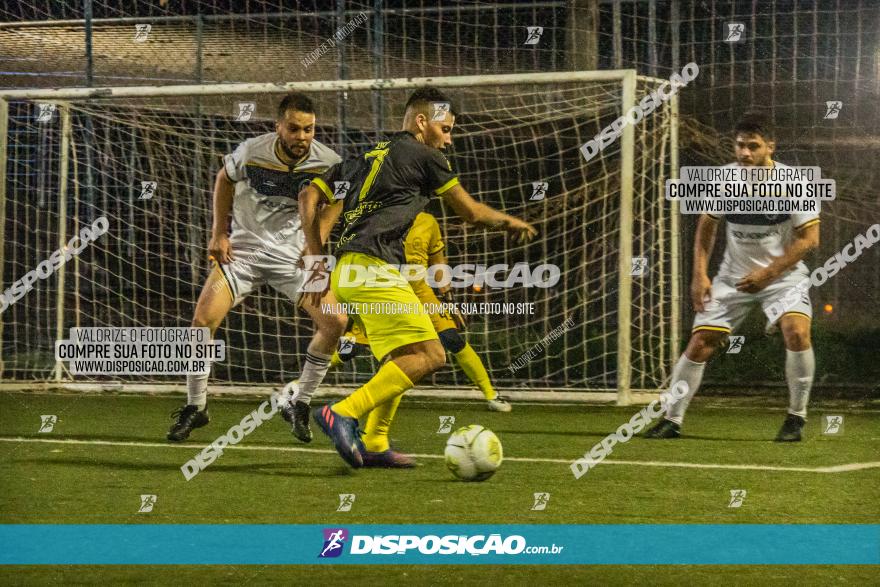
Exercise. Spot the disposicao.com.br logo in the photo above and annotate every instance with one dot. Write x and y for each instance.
(431, 544)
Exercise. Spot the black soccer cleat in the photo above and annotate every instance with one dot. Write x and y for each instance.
(664, 429)
(188, 419)
(791, 429)
(297, 415)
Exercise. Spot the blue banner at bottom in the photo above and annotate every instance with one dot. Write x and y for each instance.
(740, 544)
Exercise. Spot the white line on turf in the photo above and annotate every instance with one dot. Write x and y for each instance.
(831, 469)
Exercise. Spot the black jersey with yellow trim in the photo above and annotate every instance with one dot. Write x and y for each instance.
(383, 191)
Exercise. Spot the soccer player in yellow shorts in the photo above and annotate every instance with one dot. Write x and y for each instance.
(382, 192)
(424, 247)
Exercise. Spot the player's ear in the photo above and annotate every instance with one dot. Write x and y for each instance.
(421, 121)
(771, 147)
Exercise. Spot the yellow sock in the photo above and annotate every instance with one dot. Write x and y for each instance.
(335, 360)
(473, 367)
(386, 384)
(378, 422)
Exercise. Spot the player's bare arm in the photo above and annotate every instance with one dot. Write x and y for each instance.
(802, 242)
(704, 242)
(219, 247)
(435, 259)
(327, 218)
(309, 200)
(478, 214)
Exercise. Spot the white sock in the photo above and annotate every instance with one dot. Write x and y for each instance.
(314, 370)
(692, 374)
(800, 366)
(197, 390)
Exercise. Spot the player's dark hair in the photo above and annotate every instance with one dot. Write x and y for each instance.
(755, 122)
(422, 97)
(295, 101)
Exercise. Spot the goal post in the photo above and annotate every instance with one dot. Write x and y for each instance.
(515, 131)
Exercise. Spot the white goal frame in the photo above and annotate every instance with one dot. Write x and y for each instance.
(627, 79)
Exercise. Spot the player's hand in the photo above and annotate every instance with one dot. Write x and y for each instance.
(446, 297)
(701, 292)
(521, 230)
(220, 249)
(755, 281)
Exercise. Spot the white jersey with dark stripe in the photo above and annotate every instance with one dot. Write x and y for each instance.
(755, 240)
(265, 213)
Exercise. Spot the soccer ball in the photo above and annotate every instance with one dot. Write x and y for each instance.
(473, 453)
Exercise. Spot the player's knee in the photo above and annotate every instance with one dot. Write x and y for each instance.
(704, 344)
(452, 340)
(796, 336)
(204, 320)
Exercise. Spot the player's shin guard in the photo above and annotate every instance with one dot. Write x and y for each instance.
(314, 370)
(375, 436)
(692, 374)
(388, 383)
(197, 390)
(800, 366)
(472, 366)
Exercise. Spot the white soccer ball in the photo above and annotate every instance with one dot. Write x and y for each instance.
(473, 453)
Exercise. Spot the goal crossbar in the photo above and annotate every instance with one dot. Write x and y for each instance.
(320, 86)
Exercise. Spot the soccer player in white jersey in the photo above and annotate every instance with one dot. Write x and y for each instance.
(762, 261)
(258, 184)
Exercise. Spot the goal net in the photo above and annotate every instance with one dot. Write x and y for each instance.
(145, 159)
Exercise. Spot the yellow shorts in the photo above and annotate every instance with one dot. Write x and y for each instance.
(391, 315)
(441, 320)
